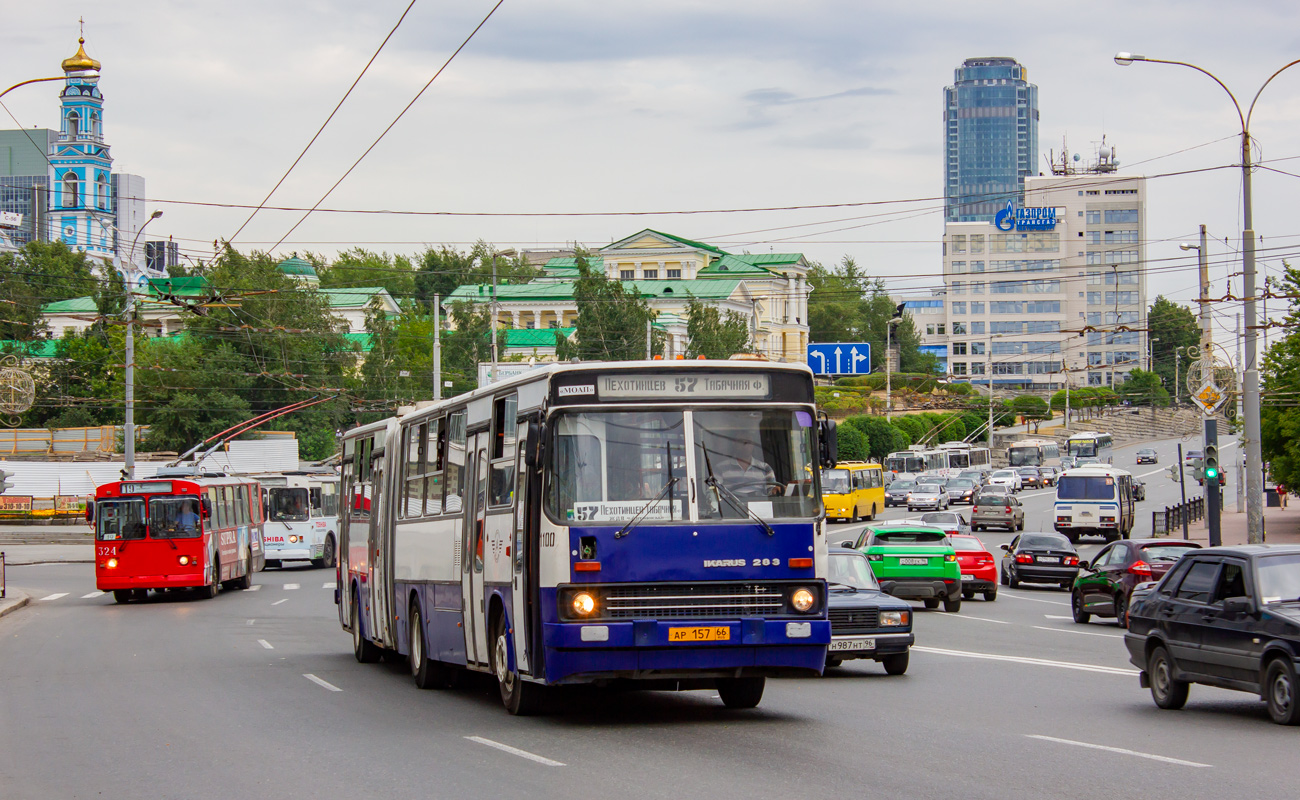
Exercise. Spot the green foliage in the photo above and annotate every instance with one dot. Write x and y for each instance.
(712, 334)
(466, 347)
(853, 444)
(1279, 415)
(847, 306)
(443, 269)
(1143, 388)
(44, 272)
(358, 267)
(912, 426)
(1176, 327)
(883, 437)
(611, 319)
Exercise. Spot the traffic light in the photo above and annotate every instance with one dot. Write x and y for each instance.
(1172, 469)
(5, 485)
(1211, 462)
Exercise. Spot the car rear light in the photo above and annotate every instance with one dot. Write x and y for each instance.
(1107, 519)
(950, 557)
(1024, 558)
(1070, 561)
(1062, 519)
(1140, 568)
(875, 557)
(1008, 509)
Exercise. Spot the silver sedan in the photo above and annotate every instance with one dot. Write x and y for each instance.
(928, 495)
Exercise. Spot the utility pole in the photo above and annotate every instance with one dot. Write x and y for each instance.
(128, 427)
(647, 340)
(889, 356)
(492, 371)
(437, 349)
(1241, 451)
(1182, 487)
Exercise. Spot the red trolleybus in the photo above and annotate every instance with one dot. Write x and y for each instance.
(182, 532)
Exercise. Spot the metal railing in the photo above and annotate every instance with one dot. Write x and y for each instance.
(1164, 523)
(2, 574)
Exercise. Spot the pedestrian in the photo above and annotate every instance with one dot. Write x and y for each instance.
(1281, 495)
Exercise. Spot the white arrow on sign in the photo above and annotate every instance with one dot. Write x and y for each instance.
(819, 355)
(853, 366)
(838, 371)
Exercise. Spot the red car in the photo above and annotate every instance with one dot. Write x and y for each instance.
(979, 572)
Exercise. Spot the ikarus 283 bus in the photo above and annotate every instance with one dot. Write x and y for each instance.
(655, 523)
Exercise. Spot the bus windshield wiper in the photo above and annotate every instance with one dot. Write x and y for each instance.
(722, 491)
(626, 529)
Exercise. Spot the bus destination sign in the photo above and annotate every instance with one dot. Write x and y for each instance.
(152, 487)
(705, 385)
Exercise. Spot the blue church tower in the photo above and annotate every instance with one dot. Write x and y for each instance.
(81, 211)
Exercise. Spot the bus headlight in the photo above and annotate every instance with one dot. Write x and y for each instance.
(584, 605)
(803, 600)
(185, 561)
(293, 540)
(111, 563)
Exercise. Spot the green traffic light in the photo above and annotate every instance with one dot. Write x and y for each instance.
(1211, 472)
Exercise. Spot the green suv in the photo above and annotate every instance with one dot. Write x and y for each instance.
(914, 561)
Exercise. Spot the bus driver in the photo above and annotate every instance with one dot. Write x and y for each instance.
(746, 473)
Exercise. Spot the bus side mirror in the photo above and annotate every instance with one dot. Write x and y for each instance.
(827, 442)
(533, 445)
(206, 507)
(90, 512)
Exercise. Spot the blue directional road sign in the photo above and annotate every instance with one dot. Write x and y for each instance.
(840, 358)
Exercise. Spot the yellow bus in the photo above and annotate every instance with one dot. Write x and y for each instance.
(853, 490)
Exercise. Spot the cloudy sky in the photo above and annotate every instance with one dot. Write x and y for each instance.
(563, 106)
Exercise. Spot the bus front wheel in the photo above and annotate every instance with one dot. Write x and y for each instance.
(327, 554)
(517, 695)
(122, 595)
(741, 692)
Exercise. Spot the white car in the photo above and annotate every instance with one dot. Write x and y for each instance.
(1007, 477)
(928, 495)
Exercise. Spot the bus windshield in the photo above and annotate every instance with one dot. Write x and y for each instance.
(1083, 447)
(288, 505)
(1085, 487)
(762, 459)
(174, 517)
(1024, 457)
(119, 519)
(835, 481)
(907, 463)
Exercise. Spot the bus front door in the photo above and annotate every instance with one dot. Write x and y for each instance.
(474, 606)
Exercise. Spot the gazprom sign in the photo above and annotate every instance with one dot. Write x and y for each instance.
(1025, 219)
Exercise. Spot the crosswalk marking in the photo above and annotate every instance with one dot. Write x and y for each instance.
(92, 594)
(54, 596)
(290, 586)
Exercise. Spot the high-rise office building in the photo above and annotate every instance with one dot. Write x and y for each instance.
(990, 126)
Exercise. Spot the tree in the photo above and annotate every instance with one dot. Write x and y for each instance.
(882, 437)
(1032, 407)
(836, 306)
(44, 272)
(1143, 388)
(358, 267)
(443, 269)
(1175, 327)
(853, 444)
(612, 320)
(469, 345)
(1279, 413)
(713, 335)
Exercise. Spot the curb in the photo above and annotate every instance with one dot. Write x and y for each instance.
(16, 601)
(47, 561)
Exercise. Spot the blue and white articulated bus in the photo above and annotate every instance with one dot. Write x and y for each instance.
(652, 522)
(302, 517)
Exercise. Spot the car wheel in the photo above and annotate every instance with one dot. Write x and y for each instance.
(895, 664)
(1012, 581)
(965, 595)
(931, 603)
(1121, 609)
(520, 697)
(990, 595)
(952, 604)
(1076, 608)
(833, 662)
(122, 595)
(1167, 691)
(1002, 577)
(1280, 692)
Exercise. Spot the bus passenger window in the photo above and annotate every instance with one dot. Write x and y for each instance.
(431, 469)
(455, 462)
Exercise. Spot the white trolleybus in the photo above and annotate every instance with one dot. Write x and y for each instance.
(963, 455)
(1091, 445)
(655, 523)
(914, 461)
(302, 520)
(1094, 500)
(1034, 453)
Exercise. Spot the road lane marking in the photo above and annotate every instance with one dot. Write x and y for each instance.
(290, 586)
(1057, 616)
(320, 682)
(254, 587)
(1005, 593)
(92, 594)
(265, 644)
(54, 596)
(1082, 633)
(250, 622)
(515, 751)
(278, 602)
(1036, 662)
(329, 585)
(981, 619)
(1122, 751)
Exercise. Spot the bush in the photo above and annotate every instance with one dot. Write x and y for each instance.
(909, 424)
(853, 444)
(884, 437)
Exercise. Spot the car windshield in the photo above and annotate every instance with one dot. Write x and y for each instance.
(1044, 540)
(174, 517)
(929, 488)
(1004, 473)
(1165, 552)
(1085, 487)
(967, 544)
(1279, 578)
(960, 483)
(902, 486)
(851, 569)
(910, 537)
(1028, 471)
(119, 519)
(288, 505)
(835, 481)
(1146, 452)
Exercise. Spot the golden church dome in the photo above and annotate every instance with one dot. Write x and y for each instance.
(80, 62)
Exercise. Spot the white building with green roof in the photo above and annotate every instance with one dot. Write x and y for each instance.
(769, 289)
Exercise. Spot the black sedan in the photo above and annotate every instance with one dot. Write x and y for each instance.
(961, 490)
(865, 622)
(896, 493)
(1039, 558)
(1226, 617)
(1147, 456)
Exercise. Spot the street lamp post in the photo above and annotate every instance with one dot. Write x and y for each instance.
(492, 371)
(1250, 389)
(128, 428)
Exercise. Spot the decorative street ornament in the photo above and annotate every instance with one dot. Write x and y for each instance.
(1209, 397)
(17, 391)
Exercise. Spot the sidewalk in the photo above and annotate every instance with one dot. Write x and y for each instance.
(17, 555)
(1281, 526)
(12, 601)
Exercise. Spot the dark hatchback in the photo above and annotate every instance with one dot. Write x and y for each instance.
(1226, 617)
(1030, 478)
(865, 622)
(896, 493)
(1039, 558)
(1104, 586)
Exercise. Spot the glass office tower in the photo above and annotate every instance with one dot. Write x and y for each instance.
(990, 119)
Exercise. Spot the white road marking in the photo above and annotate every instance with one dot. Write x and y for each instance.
(1082, 633)
(329, 585)
(289, 586)
(515, 751)
(1005, 593)
(92, 594)
(265, 644)
(981, 619)
(250, 622)
(1036, 662)
(1057, 616)
(320, 682)
(278, 602)
(1166, 759)
(255, 587)
(55, 596)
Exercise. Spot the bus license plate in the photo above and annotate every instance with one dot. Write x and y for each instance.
(719, 633)
(853, 644)
(914, 562)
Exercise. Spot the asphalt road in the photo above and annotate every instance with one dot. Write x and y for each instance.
(256, 694)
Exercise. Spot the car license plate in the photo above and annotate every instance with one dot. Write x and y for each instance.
(914, 562)
(1049, 560)
(719, 633)
(853, 644)
(968, 577)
